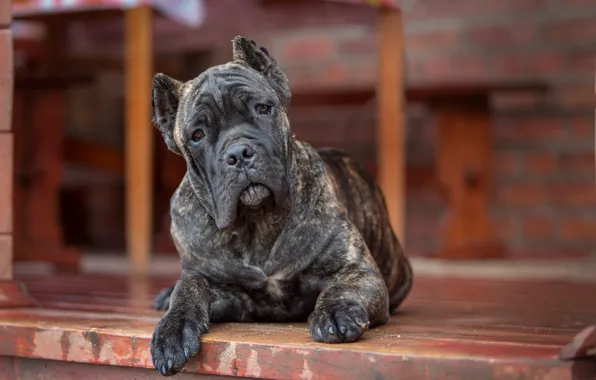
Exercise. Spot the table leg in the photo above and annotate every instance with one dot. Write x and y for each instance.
(463, 161)
(139, 139)
(390, 119)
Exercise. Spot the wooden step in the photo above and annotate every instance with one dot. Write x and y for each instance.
(469, 329)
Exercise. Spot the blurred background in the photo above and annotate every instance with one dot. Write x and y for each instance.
(69, 122)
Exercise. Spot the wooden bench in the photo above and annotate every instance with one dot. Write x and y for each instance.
(462, 171)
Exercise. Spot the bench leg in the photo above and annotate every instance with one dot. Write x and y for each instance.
(139, 139)
(391, 155)
(463, 162)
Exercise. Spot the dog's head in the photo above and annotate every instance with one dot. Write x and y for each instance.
(231, 127)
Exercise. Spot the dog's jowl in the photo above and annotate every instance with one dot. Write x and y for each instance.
(267, 227)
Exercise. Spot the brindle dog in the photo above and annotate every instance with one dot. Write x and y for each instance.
(267, 227)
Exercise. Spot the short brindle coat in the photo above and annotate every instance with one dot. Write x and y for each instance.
(267, 227)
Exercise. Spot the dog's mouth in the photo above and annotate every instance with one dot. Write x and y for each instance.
(254, 194)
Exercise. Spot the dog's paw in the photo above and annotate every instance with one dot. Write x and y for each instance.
(338, 322)
(162, 301)
(176, 340)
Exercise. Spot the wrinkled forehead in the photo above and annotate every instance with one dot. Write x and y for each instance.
(228, 80)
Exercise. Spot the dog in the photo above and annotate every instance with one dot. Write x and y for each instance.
(267, 227)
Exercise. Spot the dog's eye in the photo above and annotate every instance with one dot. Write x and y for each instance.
(198, 135)
(263, 109)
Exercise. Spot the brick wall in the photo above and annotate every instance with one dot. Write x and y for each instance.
(544, 193)
(6, 143)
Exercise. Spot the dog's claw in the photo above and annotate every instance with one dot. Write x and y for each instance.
(338, 323)
(175, 340)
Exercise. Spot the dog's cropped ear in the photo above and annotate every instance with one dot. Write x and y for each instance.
(164, 100)
(246, 51)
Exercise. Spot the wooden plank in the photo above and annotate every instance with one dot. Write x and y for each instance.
(6, 79)
(464, 168)
(5, 257)
(416, 92)
(139, 138)
(94, 155)
(6, 181)
(31, 369)
(471, 329)
(391, 128)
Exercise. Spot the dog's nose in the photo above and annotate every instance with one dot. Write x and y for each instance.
(239, 154)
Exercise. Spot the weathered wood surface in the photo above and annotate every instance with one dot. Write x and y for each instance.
(460, 329)
(31, 369)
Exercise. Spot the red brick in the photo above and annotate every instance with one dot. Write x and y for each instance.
(364, 73)
(458, 8)
(312, 48)
(6, 159)
(582, 61)
(431, 40)
(6, 80)
(521, 194)
(504, 229)
(530, 130)
(5, 13)
(517, 34)
(510, 65)
(538, 228)
(464, 67)
(334, 74)
(364, 45)
(506, 163)
(572, 31)
(578, 163)
(579, 229)
(546, 63)
(582, 128)
(577, 194)
(540, 163)
(578, 2)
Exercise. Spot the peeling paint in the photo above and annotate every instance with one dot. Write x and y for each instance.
(275, 351)
(107, 355)
(372, 359)
(80, 347)
(306, 372)
(226, 360)
(303, 352)
(44, 342)
(252, 365)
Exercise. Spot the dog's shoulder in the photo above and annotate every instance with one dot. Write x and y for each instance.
(354, 185)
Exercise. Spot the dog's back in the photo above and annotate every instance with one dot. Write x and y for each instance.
(365, 206)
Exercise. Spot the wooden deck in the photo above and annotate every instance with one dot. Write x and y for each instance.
(448, 329)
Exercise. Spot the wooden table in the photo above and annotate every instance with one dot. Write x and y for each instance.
(447, 328)
(463, 161)
(56, 15)
(139, 70)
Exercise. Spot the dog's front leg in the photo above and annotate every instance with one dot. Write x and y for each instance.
(176, 336)
(356, 300)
